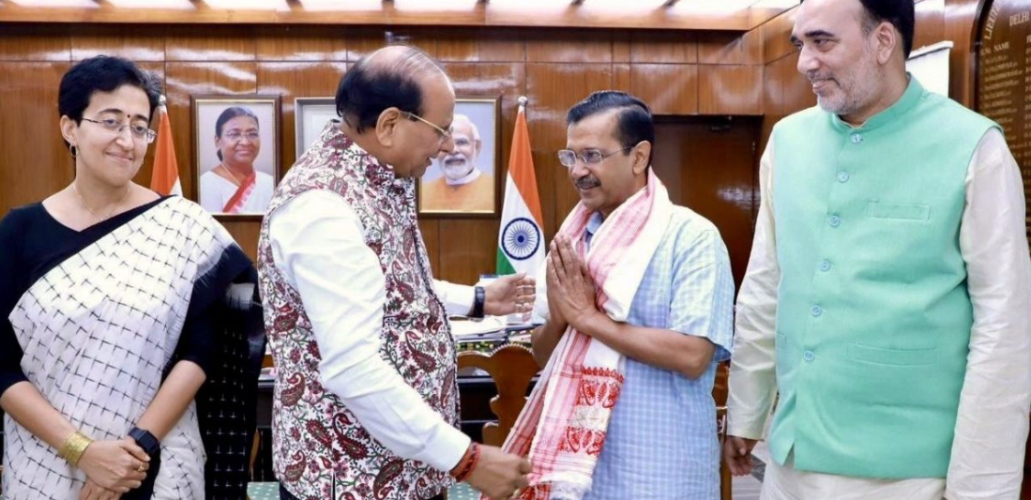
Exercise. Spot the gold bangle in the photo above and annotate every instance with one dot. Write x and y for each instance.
(74, 447)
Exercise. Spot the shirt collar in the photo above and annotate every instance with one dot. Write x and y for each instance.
(595, 222)
(913, 94)
(377, 173)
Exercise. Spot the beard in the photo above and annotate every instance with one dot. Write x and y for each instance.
(456, 168)
(855, 86)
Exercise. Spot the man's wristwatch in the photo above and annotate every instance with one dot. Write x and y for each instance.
(145, 440)
(481, 297)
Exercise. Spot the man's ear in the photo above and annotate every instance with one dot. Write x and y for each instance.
(641, 153)
(888, 41)
(386, 126)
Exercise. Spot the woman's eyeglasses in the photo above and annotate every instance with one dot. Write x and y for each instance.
(116, 127)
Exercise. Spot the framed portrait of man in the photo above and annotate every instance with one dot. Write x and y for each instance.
(466, 181)
(311, 114)
(236, 153)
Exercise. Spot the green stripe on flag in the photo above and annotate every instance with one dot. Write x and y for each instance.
(504, 266)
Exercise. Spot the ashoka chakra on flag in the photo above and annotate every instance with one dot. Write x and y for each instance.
(520, 238)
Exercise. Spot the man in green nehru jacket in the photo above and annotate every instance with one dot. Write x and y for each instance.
(887, 295)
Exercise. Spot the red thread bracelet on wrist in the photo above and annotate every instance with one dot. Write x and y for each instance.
(468, 463)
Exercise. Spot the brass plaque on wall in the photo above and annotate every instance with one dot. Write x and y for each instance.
(1003, 79)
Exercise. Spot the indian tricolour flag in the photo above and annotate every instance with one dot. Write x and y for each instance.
(521, 246)
(165, 177)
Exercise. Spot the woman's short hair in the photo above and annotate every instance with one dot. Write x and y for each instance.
(229, 114)
(102, 74)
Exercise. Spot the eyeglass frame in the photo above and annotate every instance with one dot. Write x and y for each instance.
(443, 135)
(229, 136)
(580, 157)
(150, 135)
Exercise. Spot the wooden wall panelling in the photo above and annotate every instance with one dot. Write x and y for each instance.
(34, 160)
(774, 76)
(712, 160)
(785, 91)
(553, 89)
(364, 41)
(556, 15)
(621, 46)
(960, 23)
(621, 78)
(569, 46)
(468, 248)
(663, 47)
(430, 230)
(727, 47)
(730, 90)
(776, 36)
(300, 43)
(291, 80)
(409, 12)
(930, 23)
(130, 42)
(480, 45)
(218, 43)
(669, 89)
(35, 42)
(798, 92)
(246, 234)
(625, 15)
(773, 98)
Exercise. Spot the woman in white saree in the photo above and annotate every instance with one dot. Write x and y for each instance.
(114, 314)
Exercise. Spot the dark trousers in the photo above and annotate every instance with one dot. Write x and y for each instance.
(285, 495)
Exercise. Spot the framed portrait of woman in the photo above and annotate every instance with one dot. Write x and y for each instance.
(236, 153)
(466, 182)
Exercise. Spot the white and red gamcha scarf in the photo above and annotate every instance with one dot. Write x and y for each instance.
(563, 426)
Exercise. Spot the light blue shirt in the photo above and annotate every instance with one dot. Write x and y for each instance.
(662, 442)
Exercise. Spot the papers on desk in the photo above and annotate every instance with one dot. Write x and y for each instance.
(463, 327)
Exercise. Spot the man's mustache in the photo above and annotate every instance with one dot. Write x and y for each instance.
(587, 182)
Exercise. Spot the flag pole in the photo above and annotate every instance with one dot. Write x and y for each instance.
(520, 234)
(165, 173)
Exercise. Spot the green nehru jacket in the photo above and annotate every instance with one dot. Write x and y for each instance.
(873, 317)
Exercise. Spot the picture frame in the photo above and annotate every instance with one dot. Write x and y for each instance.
(467, 182)
(310, 117)
(236, 153)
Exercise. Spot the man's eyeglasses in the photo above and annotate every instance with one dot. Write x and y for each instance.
(442, 135)
(138, 130)
(568, 157)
